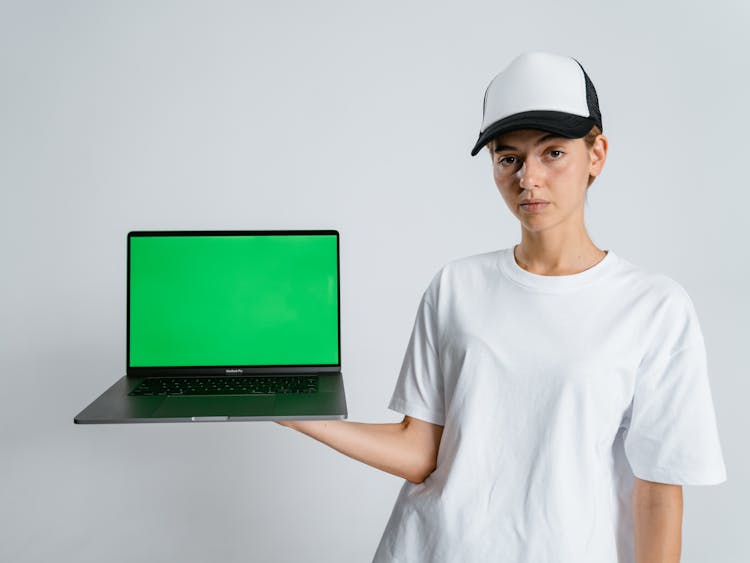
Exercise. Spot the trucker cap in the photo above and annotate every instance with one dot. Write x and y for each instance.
(540, 91)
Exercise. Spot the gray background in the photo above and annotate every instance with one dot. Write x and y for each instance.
(359, 117)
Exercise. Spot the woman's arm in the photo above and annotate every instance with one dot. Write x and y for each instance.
(657, 518)
(407, 449)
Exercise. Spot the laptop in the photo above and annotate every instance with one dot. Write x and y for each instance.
(229, 325)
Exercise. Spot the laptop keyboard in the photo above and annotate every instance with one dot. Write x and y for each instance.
(259, 385)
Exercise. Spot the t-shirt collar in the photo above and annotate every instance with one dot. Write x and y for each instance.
(554, 284)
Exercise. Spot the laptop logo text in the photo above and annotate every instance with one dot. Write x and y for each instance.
(232, 371)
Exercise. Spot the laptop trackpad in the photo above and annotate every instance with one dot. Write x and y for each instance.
(215, 406)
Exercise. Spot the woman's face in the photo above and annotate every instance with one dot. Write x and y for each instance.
(534, 164)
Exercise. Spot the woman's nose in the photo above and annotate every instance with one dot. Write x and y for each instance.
(529, 174)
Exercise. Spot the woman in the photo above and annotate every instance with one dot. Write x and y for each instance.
(555, 395)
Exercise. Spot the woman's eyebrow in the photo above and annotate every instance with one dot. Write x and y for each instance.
(499, 148)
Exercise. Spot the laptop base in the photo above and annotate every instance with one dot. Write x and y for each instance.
(116, 406)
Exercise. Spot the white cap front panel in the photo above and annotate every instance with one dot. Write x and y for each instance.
(536, 81)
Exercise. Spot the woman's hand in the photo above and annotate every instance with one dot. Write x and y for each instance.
(287, 423)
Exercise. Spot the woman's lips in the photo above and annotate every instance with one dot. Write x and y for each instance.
(531, 207)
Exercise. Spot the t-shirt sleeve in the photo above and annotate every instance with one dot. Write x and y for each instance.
(671, 431)
(419, 389)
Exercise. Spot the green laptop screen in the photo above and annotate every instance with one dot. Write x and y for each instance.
(233, 300)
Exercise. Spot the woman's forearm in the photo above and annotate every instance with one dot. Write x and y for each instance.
(657, 519)
(389, 447)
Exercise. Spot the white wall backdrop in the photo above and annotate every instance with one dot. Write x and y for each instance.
(356, 116)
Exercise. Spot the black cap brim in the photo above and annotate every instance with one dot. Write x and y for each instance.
(560, 123)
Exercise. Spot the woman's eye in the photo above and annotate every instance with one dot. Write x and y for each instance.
(557, 151)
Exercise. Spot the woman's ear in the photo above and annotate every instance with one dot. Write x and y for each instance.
(598, 155)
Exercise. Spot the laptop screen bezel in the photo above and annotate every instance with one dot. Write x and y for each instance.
(233, 370)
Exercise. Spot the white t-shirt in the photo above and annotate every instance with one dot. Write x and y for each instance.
(554, 391)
